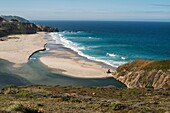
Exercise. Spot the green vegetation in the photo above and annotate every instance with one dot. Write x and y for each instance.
(17, 28)
(83, 99)
(162, 64)
(22, 94)
(117, 106)
(145, 65)
(22, 109)
(16, 25)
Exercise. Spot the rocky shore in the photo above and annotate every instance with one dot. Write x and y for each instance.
(16, 25)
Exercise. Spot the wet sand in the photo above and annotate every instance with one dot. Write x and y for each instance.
(70, 64)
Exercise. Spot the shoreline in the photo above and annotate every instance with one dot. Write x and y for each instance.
(69, 62)
(18, 50)
(76, 51)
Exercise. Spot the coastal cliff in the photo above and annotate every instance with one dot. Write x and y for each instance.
(17, 25)
(144, 73)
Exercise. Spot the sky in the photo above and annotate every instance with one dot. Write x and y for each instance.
(120, 10)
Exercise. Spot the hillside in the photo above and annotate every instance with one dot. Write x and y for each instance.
(34, 99)
(1, 19)
(19, 19)
(19, 25)
(145, 73)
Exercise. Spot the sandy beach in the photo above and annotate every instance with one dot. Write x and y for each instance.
(19, 49)
(69, 64)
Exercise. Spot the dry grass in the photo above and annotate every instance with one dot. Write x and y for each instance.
(83, 100)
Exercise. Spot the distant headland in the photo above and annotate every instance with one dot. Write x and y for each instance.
(17, 25)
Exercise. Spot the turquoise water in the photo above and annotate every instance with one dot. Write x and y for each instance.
(114, 43)
(34, 72)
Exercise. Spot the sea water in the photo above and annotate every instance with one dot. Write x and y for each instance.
(112, 42)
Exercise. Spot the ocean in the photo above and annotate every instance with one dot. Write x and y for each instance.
(114, 42)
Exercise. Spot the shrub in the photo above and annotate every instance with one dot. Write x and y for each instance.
(21, 108)
(117, 106)
(23, 94)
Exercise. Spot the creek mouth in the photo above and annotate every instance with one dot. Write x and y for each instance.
(34, 72)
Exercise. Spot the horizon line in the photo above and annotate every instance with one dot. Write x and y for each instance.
(102, 20)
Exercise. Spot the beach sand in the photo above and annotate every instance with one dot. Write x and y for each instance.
(19, 49)
(71, 65)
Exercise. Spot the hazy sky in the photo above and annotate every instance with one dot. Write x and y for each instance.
(152, 10)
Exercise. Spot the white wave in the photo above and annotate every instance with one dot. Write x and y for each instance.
(82, 48)
(93, 38)
(60, 39)
(68, 44)
(111, 55)
(123, 58)
(95, 59)
(71, 32)
(60, 35)
(114, 55)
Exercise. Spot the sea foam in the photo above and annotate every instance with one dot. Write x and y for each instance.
(60, 39)
(111, 55)
(123, 58)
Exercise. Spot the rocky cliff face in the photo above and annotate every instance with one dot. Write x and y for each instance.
(144, 73)
(21, 26)
(46, 28)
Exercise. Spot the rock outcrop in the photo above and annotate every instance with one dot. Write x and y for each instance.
(46, 28)
(144, 73)
(19, 25)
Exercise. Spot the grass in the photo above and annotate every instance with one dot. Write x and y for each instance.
(22, 94)
(145, 65)
(23, 109)
(162, 64)
(84, 99)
